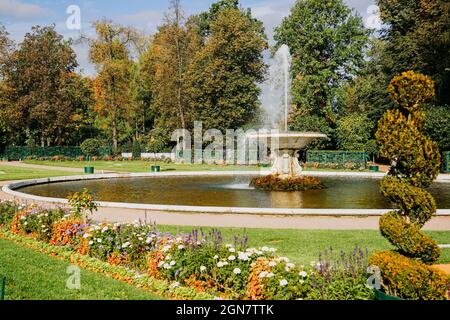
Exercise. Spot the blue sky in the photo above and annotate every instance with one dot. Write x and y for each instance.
(19, 15)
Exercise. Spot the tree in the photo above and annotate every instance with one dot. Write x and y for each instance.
(39, 85)
(354, 133)
(165, 67)
(417, 39)
(327, 44)
(415, 165)
(110, 53)
(223, 77)
(437, 126)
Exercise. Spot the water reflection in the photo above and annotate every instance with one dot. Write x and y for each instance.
(233, 192)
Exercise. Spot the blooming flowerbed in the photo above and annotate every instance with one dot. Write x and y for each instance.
(202, 261)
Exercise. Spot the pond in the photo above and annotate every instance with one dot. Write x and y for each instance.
(232, 191)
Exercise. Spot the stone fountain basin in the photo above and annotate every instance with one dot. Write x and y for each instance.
(288, 140)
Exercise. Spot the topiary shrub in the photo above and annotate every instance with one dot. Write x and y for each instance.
(91, 147)
(415, 165)
(410, 279)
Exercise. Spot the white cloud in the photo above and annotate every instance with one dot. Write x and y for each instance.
(145, 20)
(16, 9)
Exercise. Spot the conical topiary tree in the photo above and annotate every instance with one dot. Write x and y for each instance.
(415, 165)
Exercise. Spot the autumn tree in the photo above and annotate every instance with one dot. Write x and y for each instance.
(38, 87)
(110, 52)
(165, 67)
(327, 42)
(223, 77)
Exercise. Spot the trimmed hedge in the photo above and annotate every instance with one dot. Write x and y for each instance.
(410, 279)
(408, 238)
(21, 153)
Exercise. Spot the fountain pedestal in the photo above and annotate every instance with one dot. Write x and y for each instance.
(286, 163)
(286, 170)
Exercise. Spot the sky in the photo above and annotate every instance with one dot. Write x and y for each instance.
(18, 16)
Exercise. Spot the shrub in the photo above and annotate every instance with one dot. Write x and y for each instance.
(83, 204)
(415, 164)
(90, 147)
(410, 279)
(8, 210)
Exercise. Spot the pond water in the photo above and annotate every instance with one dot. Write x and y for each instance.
(232, 191)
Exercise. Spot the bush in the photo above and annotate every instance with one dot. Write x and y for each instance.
(8, 210)
(83, 204)
(408, 238)
(410, 279)
(91, 147)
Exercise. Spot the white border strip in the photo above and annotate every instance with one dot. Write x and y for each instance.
(10, 189)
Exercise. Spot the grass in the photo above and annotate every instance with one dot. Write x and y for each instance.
(144, 166)
(16, 173)
(35, 276)
(305, 246)
(140, 166)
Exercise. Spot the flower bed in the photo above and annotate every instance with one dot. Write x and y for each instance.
(201, 261)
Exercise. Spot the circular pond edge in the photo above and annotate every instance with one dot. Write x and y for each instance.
(11, 190)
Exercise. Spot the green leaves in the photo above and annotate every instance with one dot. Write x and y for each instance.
(327, 42)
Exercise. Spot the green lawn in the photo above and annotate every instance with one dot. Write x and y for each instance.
(35, 276)
(16, 173)
(304, 246)
(144, 166)
(140, 166)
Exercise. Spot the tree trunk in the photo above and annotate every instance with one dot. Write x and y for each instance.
(114, 133)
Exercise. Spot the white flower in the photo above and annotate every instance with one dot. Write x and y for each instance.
(86, 235)
(166, 248)
(91, 242)
(270, 275)
(265, 248)
(125, 245)
(99, 240)
(237, 271)
(220, 264)
(180, 247)
(303, 274)
(283, 283)
(263, 274)
(174, 285)
(232, 258)
(25, 223)
(232, 250)
(173, 262)
(229, 245)
(179, 239)
(148, 240)
(160, 264)
(104, 229)
(216, 257)
(167, 266)
(243, 256)
(141, 239)
(43, 226)
(202, 269)
(272, 264)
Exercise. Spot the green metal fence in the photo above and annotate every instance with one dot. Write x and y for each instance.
(338, 157)
(20, 153)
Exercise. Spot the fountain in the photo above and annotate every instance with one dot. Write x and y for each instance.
(285, 145)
